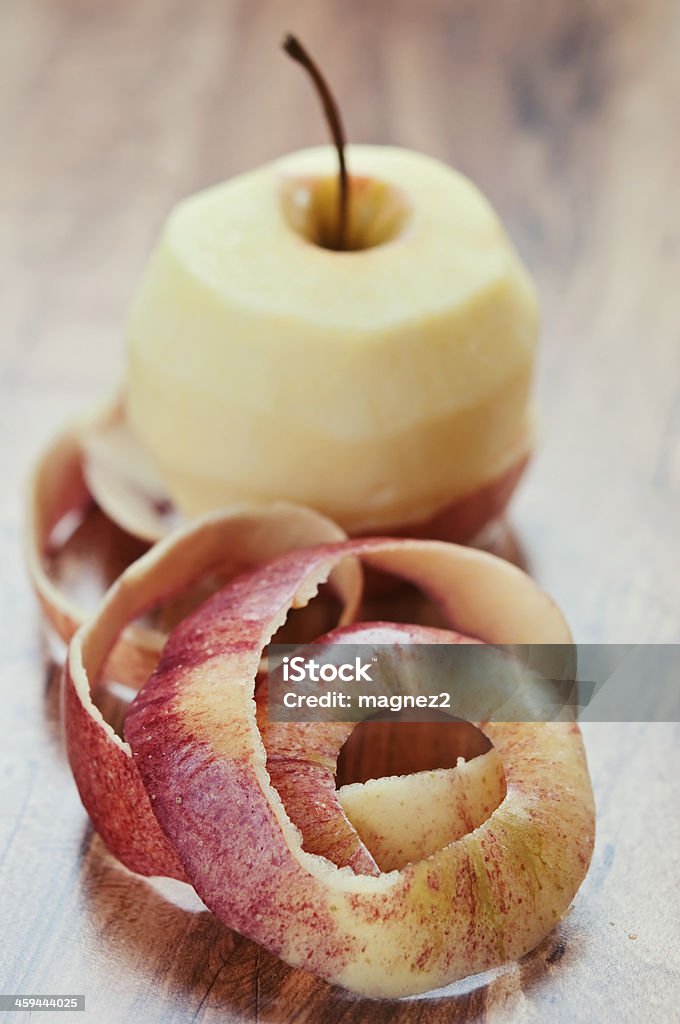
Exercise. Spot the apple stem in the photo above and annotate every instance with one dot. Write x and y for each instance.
(294, 48)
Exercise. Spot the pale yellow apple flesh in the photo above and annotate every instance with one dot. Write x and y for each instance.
(380, 385)
(404, 818)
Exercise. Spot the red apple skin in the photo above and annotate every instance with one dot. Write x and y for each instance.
(464, 519)
(310, 797)
(113, 794)
(483, 899)
(301, 761)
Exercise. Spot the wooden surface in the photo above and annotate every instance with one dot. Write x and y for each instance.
(566, 114)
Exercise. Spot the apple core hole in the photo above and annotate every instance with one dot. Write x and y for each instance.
(378, 748)
(378, 211)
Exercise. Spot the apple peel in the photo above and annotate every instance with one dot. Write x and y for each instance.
(489, 896)
(124, 482)
(57, 489)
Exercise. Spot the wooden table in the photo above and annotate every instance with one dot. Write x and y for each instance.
(566, 115)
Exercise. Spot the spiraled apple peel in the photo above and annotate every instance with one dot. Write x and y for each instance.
(196, 800)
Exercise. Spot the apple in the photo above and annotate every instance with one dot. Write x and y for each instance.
(488, 896)
(384, 385)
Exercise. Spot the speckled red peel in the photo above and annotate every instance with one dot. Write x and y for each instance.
(107, 778)
(484, 898)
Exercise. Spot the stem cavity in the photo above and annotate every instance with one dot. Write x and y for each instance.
(294, 48)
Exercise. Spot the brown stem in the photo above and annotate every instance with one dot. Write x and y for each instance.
(294, 48)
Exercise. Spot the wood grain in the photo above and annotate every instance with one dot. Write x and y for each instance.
(566, 114)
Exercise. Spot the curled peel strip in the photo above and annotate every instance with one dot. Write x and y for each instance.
(107, 779)
(124, 480)
(488, 896)
(57, 488)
